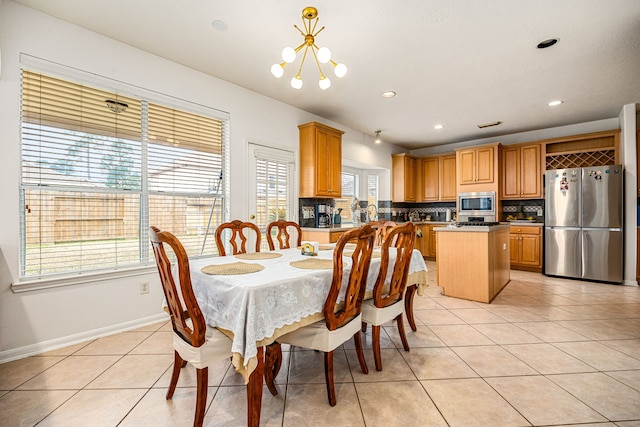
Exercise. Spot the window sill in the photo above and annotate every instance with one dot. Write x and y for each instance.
(77, 279)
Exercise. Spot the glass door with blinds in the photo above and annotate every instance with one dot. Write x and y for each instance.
(271, 192)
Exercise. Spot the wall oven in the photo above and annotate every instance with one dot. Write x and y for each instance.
(476, 205)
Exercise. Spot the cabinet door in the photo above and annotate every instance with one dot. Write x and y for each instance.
(467, 167)
(323, 180)
(430, 179)
(433, 244)
(514, 249)
(531, 172)
(410, 187)
(448, 178)
(421, 243)
(484, 165)
(530, 250)
(335, 165)
(510, 173)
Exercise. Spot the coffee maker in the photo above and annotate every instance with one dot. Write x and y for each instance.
(323, 216)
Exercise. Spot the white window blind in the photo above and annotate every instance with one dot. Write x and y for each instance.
(99, 167)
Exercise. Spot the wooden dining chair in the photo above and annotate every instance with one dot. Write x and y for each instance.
(284, 232)
(387, 302)
(342, 318)
(382, 227)
(241, 233)
(193, 341)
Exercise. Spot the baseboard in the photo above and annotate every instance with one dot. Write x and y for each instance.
(42, 347)
(630, 282)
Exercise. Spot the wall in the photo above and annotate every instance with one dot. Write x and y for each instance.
(34, 321)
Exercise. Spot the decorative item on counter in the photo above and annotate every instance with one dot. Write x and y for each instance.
(355, 210)
(309, 248)
(337, 218)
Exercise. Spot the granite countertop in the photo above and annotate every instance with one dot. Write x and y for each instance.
(476, 228)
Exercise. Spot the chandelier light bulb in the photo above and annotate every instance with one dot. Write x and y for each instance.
(277, 70)
(288, 54)
(324, 55)
(296, 82)
(340, 70)
(324, 83)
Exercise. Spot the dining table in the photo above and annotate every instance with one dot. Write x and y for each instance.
(255, 298)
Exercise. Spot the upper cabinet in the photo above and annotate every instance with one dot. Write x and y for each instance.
(521, 172)
(320, 161)
(476, 165)
(404, 177)
(430, 167)
(438, 178)
(448, 190)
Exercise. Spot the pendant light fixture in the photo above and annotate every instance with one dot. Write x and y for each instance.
(320, 55)
(378, 140)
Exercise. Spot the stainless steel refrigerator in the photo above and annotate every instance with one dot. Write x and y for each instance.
(583, 235)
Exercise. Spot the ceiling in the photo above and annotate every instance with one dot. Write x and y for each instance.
(457, 63)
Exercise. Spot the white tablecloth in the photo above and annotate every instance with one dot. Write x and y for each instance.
(253, 306)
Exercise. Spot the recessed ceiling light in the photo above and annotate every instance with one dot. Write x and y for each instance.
(388, 94)
(219, 25)
(547, 43)
(554, 103)
(438, 127)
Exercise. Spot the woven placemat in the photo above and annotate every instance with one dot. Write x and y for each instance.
(373, 254)
(259, 255)
(313, 264)
(232, 268)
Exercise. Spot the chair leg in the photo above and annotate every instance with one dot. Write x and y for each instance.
(408, 305)
(272, 363)
(202, 376)
(364, 327)
(177, 364)
(375, 340)
(357, 338)
(328, 376)
(403, 336)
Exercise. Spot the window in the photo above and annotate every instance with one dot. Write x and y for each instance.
(349, 194)
(98, 167)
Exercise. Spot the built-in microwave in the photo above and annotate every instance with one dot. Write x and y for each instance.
(477, 204)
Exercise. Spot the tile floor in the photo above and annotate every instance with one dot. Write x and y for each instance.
(545, 352)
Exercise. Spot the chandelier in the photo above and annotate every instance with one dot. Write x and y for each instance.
(320, 55)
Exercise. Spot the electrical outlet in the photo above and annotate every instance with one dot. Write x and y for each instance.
(540, 212)
(144, 288)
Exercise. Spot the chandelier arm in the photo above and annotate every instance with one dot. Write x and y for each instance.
(315, 23)
(300, 47)
(318, 63)
(304, 56)
(298, 28)
(318, 31)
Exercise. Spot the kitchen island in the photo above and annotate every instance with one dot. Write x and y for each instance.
(325, 235)
(473, 261)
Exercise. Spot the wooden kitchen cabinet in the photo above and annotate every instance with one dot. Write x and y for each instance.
(475, 165)
(525, 244)
(438, 178)
(323, 235)
(433, 242)
(422, 241)
(430, 167)
(320, 161)
(448, 191)
(404, 173)
(521, 168)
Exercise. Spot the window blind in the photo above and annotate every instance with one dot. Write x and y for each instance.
(98, 167)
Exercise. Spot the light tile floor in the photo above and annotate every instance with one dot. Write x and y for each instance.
(545, 352)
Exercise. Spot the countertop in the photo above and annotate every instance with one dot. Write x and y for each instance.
(350, 226)
(475, 228)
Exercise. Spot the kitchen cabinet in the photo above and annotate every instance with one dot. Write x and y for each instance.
(430, 167)
(320, 161)
(433, 243)
(438, 178)
(525, 244)
(521, 172)
(422, 239)
(448, 191)
(476, 165)
(404, 177)
(323, 235)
